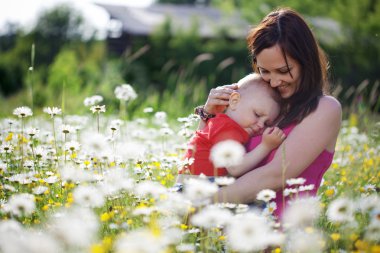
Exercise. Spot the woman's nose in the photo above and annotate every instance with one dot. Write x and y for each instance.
(274, 82)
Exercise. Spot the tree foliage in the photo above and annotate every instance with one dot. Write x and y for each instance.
(171, 61)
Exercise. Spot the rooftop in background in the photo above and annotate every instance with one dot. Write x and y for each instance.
(143, 21)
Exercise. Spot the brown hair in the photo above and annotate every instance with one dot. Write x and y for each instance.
(287, 29)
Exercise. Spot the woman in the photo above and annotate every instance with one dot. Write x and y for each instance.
(287, 56)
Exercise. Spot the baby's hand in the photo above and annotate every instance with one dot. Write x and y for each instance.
(273, 137)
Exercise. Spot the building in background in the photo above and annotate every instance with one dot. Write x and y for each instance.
(127, 22)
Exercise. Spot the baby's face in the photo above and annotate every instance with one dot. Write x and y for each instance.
(255, 111)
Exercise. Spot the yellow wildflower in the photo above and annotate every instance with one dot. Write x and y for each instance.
(330, 192)
(353, 237)
(9, 137)
(104, 217)
(98, 248)
(107, 242)
(335, 236)
(375, 249)
(362, 245)
(353, 120)
(222, 238)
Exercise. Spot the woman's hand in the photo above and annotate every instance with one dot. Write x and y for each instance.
(218, 98)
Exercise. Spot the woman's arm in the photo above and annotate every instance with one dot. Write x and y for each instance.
(317, 132)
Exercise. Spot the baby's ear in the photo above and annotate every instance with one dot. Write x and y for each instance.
(234, 100)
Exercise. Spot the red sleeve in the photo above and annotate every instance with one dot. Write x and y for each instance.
(222, 129)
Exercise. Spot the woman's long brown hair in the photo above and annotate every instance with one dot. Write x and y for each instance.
(287, 29)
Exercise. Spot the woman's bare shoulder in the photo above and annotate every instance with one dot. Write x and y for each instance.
(327, 114)
(328, 107)
(329, 102)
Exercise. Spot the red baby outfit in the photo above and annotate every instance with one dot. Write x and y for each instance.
(217, 129)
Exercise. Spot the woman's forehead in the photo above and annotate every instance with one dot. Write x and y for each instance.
(272, 58)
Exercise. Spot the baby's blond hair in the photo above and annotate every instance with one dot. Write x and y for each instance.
(255, 81)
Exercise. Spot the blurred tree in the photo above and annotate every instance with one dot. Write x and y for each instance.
(9, 36)
(55, 28)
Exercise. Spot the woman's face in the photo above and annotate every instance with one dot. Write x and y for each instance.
(272, 67)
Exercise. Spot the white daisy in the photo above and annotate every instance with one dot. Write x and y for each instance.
(211, 217)
(71, 174)
(35, 241)
(90, 101)
(251, 232)
(94, 143)
(10, 231)
(88, 196)
(341, 210)
(199, 190)
(9, 187)
(266, 195)
(39, 190)
(301, 212)
(131, 150)
(98, 108)
(372, 232)
(165, 131)
(269, 209)
(51, 180)
(185, 247)
(148, 110)
(125, 92)
(224, 181)
(160, 118)
(142, 241)
(150, 188)
(29, 164)
(32, 131)
(117, 122)
(309, 187)
(72, 146)
(3, 166)
(22, 204)
(6, 148)
(369, 204)
(76, 228)
(40, 152)
(52, 111)
(227, 153)
(116, 180)
(174, 203)
(295, 181)
(310, 241)
(290, 191)
(22, 112)
(67, 129)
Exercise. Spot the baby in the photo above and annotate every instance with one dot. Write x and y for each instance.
(252, 110)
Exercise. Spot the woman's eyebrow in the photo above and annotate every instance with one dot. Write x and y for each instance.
(280, 68)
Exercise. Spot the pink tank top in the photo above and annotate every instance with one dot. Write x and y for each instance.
(313, 173)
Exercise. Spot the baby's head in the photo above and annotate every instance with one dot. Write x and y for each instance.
(255, 105)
